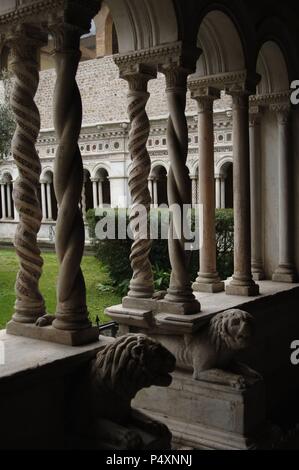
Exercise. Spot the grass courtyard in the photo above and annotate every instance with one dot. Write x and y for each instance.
(95, 276)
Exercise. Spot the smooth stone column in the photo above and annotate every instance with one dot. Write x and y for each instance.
(150, 188)
(285, 271)
(180, 298)
(8, 197)
(3, 197)
(49, 202)
(208, 279)
(256, 196)
(155, 191)
(100, 192)
(218, 192)
(242, 283)
(95, 193)
(43, 197)
(16, 214)
(222, 185)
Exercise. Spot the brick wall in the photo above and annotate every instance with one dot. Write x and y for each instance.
(104, 94)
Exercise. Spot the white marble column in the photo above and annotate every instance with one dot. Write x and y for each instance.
(16, 214)
(43, 198)
(256, 195)
(218, 192)
(208, 279)
(242, 283)
(150, 188)
(155, 192)
(222, 186)
(49, 202)
(8, 197)
(100, 192)
(95, 193)
(285, 271)
(3, 197)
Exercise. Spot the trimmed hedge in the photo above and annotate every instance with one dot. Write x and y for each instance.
(114, 254)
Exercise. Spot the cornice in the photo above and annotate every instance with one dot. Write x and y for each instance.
(271, 99)
(174, 54)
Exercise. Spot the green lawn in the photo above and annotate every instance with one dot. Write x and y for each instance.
(94, 274)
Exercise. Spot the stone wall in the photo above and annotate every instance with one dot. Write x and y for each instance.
(104, 94)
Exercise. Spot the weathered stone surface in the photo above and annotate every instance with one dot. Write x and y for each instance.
(48, 333)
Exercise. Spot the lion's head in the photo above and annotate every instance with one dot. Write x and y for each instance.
(133, 362)
(231, 330)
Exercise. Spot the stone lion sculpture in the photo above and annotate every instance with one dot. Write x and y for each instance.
(215, 347)
(118, 372)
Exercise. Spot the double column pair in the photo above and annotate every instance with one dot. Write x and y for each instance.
(208, 280)
(179, 298)
(71, 311)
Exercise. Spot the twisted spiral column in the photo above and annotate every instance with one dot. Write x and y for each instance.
(71, 311)
(141, 285)
(29, 303)
(179, 187)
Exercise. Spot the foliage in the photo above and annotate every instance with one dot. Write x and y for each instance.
(7, 123)
(115, 254)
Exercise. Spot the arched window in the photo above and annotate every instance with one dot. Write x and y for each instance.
(7, 205)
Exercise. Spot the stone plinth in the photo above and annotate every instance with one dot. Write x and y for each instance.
(49, 333)
(206, 415)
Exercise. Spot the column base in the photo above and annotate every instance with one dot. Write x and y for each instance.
(179, 308)
(258, 276)
(209, 287)
(284, 275)
(244, 291)
(53, 335)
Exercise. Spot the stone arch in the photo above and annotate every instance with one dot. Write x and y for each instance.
(87, 195)
(46, 195)
(224, 178)
(6, 205)
(99, 167)
(106, 36)
(158, 178)
(221, 45)
(144, 23)
(272, 68)
(101, 187)
(276, 58)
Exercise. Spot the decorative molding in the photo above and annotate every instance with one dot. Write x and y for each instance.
(270, 99)
(173, 53)
(231, 82)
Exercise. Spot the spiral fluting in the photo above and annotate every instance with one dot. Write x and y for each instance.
(179, 188)
(141, 285)
(29, 301)
(71, 312)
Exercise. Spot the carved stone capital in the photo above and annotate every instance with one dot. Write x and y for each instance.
(205, 96)
(24, 43)
(138, 75)
(176, 78)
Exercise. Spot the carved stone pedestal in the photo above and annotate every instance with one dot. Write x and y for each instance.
(204, 414)
(49, 333)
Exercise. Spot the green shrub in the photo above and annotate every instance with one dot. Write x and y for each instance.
(115, 254)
